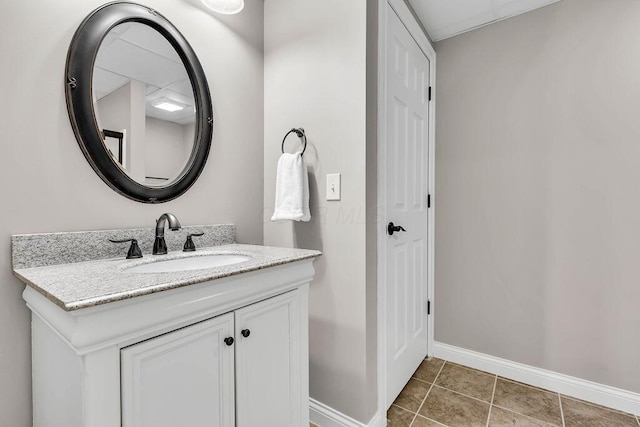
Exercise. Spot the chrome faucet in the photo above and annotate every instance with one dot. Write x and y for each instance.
(159, 245)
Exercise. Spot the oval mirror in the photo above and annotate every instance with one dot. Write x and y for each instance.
(139, 102)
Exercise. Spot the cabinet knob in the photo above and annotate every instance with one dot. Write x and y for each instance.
(228, 341)
(245, 332)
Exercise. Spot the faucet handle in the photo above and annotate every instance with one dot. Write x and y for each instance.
(134, 249)
(189, 246)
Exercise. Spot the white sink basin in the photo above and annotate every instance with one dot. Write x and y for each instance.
(190, 263)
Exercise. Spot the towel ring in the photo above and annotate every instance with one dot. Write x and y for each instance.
(301, 134)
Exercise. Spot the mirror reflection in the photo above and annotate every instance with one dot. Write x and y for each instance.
(144, 104)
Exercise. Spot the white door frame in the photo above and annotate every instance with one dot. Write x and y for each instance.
(421, 39)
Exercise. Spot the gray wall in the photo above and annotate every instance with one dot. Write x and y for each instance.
(167, 147)
(123, 110)
(538, 184)
(315, 77)
(48, 185)
(113, 112)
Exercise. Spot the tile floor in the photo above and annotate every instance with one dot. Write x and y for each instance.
(445, 394)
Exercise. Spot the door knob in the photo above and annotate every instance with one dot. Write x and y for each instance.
(228, 341)
(245, 333)
(394, 228)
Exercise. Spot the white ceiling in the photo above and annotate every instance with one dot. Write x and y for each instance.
(134, 51)
(447, 18)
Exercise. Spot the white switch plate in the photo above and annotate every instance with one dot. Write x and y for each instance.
(333, 186)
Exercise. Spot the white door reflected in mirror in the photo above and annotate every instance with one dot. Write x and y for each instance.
(141, 90)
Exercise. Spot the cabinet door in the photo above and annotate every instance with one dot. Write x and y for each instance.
(183, 378)
(268, 364)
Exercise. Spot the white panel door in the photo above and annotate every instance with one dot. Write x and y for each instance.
(407, 175)
(183, 378)
(268, 359)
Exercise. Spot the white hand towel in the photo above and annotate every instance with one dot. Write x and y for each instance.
(292, 189)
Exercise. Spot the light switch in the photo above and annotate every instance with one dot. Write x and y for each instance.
(333, 186)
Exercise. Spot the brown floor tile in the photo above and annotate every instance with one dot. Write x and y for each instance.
(398, 417)
(528, 385)
(428, 369)
(412, 395)
(578, 413)
(502, 418)
(423, 422)
(515, 404)
(467, 381)
(454, 410)
(598, 406)
(533, 402)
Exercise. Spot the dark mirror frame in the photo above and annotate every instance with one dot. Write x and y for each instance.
(79, 95)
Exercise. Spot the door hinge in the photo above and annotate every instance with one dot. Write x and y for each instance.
(428, 201)
(429, 93)
(428, 307)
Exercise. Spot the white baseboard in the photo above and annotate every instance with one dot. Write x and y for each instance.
(325, 416)
(600, 394)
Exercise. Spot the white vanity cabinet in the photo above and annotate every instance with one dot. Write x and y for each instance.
(268, 364)
(165, 359)
(187, 377)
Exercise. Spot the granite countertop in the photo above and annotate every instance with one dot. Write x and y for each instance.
(78, 285)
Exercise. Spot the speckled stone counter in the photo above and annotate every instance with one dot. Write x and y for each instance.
(37, 250)
(77, 285)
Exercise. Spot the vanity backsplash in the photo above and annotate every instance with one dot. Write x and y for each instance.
(38, 250)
